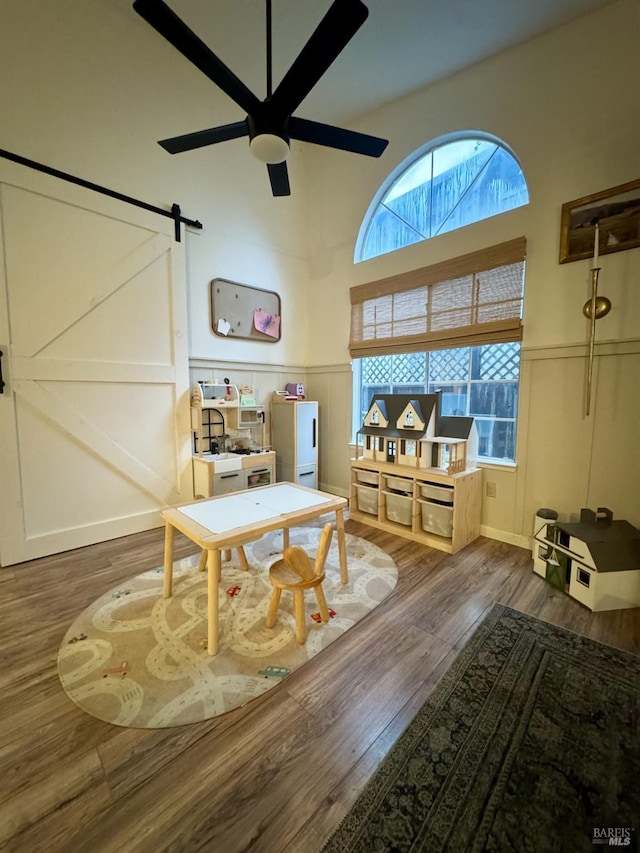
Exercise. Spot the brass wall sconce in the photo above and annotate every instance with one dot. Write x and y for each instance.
(593, 309)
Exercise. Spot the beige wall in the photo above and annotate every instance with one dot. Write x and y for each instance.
(567, 104)
(574, 124)
(83, 96)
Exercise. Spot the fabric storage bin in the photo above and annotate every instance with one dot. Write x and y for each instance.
(434, 492)
(400, 484)
(367, 477)
(437, 518)
(367, 499)
(398, 508)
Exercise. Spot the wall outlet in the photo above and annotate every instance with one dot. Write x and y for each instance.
(490, 489)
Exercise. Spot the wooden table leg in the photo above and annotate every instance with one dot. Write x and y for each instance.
(342, 547)
(285, 538)
(213, 578)
(244, 563)
(168, 560)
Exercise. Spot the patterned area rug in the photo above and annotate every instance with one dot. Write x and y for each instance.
(530, 742)
(135, 659)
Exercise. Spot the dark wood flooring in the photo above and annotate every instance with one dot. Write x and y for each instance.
(276, 775)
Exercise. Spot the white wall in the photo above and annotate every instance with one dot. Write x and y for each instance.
(567, 103)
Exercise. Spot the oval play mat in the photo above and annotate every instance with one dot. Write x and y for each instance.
(135, 659)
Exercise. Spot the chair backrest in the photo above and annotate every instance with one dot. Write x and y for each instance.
(298, 561)
(323, 548)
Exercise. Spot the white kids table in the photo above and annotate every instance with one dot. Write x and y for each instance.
(218, 524)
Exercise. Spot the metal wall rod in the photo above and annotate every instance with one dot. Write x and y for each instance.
(592, 334)
(174, 213)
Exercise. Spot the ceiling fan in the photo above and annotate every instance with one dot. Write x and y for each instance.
(269, 123)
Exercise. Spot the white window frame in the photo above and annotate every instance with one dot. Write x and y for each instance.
(406, 164)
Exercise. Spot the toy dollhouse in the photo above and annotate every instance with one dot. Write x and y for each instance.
(414, 472)
(409, 430)
(595, 560)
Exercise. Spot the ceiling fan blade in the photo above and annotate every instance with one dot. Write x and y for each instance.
(279, 177)
(336, 137)
(189, 141)
(333, 33)
(165, 21)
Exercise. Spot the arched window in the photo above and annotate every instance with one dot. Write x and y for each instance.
(450, 183)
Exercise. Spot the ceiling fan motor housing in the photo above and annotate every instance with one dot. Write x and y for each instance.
(269, 139)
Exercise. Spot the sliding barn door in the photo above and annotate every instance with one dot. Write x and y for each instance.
(94, 417)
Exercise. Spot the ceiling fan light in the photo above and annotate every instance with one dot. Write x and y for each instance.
(269, 148)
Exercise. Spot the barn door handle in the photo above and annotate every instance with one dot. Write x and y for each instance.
(2, 382)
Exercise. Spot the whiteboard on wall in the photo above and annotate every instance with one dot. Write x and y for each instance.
(245, 312)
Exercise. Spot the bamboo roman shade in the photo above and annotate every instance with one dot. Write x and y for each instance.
(466, 301)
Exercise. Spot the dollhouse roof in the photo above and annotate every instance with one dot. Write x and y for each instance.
(426, 406)
(613, 545)
(455, 426)
(394, 406)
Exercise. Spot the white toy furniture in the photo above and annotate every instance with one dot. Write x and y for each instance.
(595, 560)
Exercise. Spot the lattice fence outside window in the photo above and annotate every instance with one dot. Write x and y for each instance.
(479, 381)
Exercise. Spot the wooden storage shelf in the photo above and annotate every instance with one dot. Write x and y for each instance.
(426, 496)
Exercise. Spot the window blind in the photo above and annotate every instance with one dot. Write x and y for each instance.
(466, 301)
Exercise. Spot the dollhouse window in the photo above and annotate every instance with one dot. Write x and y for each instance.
(448, 183)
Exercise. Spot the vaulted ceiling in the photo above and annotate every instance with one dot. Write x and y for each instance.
(403, 46)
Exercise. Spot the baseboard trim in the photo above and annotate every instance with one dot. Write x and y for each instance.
(333, 490)
(506, 536)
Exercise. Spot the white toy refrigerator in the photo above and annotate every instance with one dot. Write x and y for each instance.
(294, 437)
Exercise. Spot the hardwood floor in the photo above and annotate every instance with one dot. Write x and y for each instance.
(276, 775)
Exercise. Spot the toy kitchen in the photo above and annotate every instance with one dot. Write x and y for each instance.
(228, 430)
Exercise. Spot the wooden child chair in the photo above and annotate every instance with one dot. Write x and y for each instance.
(296, 572)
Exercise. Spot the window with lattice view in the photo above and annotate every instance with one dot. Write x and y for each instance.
(481, 382)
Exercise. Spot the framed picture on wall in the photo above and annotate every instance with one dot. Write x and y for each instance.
(617, 212)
